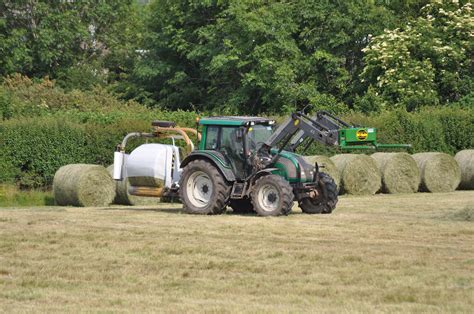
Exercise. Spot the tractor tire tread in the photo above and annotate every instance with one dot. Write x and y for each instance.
(332, 192)
(221, 194)
(286, 196)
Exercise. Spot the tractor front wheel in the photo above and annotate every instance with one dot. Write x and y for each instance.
(272, 196)
(322, 205)
(202, 189)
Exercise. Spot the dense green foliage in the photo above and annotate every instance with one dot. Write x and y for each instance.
(70, 69)
(46, 127)
(274, 56)
(257, 56)
(250, 56)
(81, 43)
(428, 62)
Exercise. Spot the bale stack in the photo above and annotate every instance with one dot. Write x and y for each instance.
(439, 172)
(83, 185)
(465, 160)
(400, 173)
(326, 165)
(122, 196)
(359, 174)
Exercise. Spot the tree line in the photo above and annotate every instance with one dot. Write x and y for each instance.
(248, 56)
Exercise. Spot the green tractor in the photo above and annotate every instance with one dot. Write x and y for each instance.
(228, 168)
(244, 162)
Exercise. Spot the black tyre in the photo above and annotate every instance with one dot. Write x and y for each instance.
(323, 205)
(242, 206)
(272, 195)
(203, 189)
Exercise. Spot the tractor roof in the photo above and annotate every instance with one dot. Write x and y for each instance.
(235, 120)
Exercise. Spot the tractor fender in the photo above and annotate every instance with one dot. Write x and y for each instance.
(213, 157)
(262, 173)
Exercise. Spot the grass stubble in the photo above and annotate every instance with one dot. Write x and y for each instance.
(386, 253)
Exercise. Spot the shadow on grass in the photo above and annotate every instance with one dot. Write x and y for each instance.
(176, 208)
(172, 210)
(151, 208)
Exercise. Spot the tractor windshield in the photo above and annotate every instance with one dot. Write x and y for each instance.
(257, 135)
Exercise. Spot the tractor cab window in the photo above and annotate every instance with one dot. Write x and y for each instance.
(232, 146)
(231, 141)
(257, 135)
(212, 135)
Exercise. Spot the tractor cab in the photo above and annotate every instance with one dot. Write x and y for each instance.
(235, 139)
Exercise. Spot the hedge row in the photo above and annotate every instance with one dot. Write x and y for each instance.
(78, 126)
(32, 149)
(21, 97)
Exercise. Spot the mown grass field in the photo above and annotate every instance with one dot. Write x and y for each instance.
(382, 253)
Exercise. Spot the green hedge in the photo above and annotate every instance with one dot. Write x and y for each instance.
(69, 127)
(31, 150)
(76, 127)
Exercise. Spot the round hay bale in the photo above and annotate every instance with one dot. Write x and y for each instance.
(83, 185)
(359, 174)
(400, 173)
(439, 172)
(465, 160)
(326, 165)
(122, 196)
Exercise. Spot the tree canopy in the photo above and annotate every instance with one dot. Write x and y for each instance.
(427, 62)
(76, 42)
(248, 56)
(256, 56)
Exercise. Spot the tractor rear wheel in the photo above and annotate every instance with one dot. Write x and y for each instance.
(322, 206)
(241, 206)
(272, 196)
(203, 190)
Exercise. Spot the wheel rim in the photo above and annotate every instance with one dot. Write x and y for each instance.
(199, 189)
(268, 197)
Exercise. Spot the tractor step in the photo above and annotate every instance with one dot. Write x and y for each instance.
(238, 190)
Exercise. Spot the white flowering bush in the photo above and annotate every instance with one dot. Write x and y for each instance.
(426, 63)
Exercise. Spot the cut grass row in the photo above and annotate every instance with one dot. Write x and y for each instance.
(381, 253)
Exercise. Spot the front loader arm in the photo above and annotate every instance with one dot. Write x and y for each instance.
(289, 135)
(322, 128)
